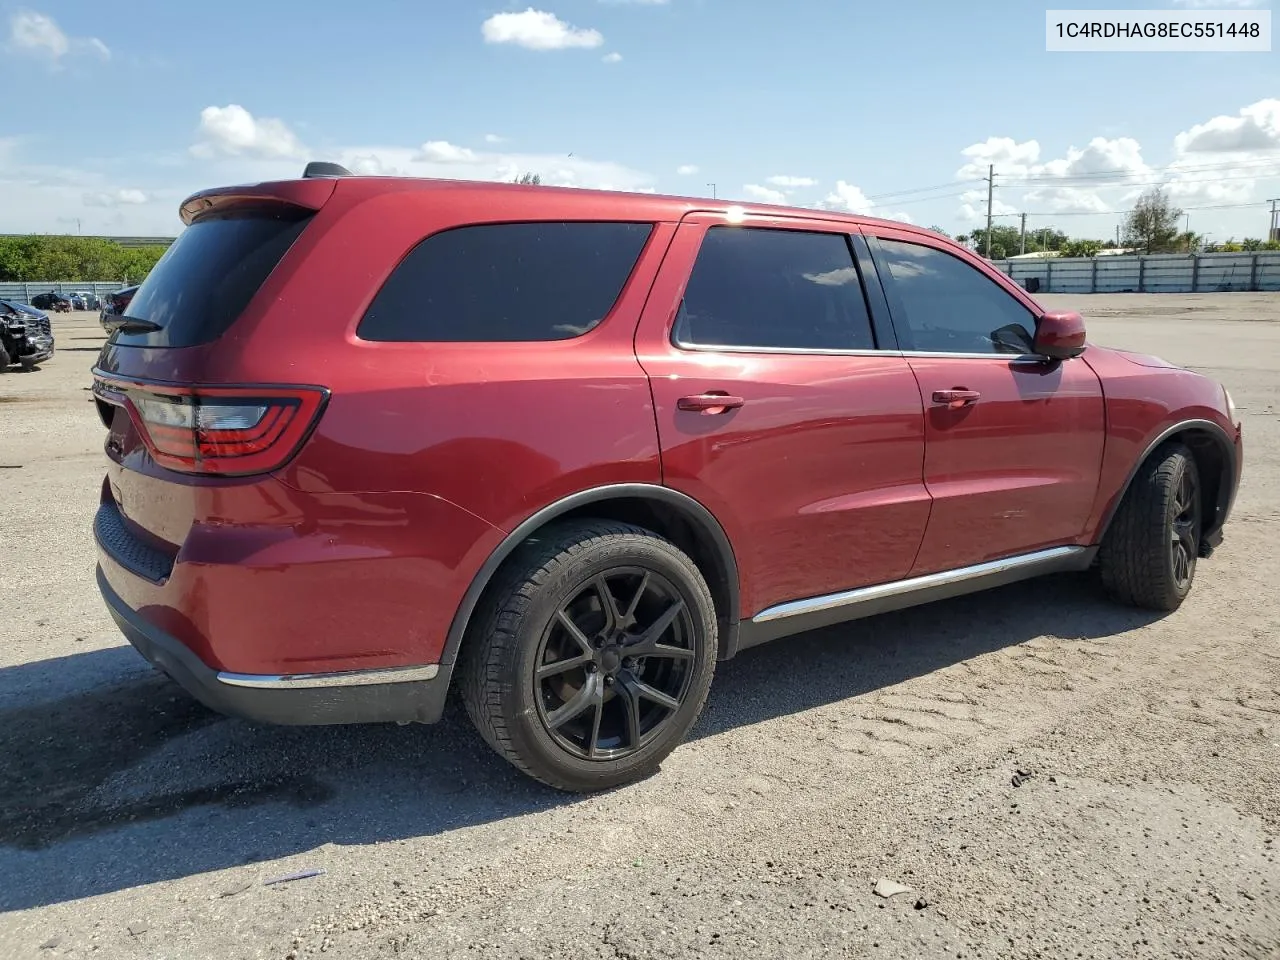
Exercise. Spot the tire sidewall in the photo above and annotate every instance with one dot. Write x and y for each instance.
(528, 734)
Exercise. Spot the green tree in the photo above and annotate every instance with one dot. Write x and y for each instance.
(1152, 224)
(1251, 244)
(529, 179)
(1009, 239)
(63, 258)
(936, 229)
(1081, 248)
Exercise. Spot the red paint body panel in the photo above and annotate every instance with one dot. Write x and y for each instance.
(1017, 469)
(1143, 400)
(836, 471)
(816, 478)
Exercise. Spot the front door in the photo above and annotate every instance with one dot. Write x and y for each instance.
(1013, 443)
(776, 410)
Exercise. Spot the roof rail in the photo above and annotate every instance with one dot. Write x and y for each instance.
(322, 168)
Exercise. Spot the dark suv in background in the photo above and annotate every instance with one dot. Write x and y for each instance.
(26, 336)
(561, 450)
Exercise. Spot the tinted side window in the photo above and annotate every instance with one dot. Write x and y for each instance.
(206, 278)
(951, 307)
(763, 288)
(506, 282)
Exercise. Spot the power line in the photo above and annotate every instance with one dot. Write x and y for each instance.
(1112, 213)
(1129, 171)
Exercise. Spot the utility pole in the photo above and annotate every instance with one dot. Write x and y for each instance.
(1117, 236)
(1273, 232)
(991, 185)
(713, 190)
(1022, 243)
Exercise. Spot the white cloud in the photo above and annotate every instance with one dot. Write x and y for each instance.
(40, 35)
(757, 192)
(441, 151)
(115, 198)
(846, 196)
(234, 131)
(1009, 157)
(1060, 200)
(1256, 127)
(785, 181)
(494, 138)
(1119, 157)
(1104, 163)
(614, 57)
(537, 30)
(687, 169)
(973, 206)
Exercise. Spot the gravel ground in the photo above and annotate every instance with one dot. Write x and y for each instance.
(133, 823)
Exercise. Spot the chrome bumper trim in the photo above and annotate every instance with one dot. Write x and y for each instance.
(345, 678)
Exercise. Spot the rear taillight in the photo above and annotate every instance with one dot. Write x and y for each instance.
(223, 431)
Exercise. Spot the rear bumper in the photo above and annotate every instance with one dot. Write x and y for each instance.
(363, 696)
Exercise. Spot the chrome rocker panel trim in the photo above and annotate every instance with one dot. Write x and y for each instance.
(797, 616)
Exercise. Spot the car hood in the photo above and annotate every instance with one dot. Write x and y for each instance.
(1143, 359)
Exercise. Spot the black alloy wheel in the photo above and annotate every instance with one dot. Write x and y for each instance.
(590, 659)
(1184, 529)
(614, 664)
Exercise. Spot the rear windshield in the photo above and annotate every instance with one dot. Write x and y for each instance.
(208, 276)
(506, 282)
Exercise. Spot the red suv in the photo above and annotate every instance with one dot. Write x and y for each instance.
(563, 450)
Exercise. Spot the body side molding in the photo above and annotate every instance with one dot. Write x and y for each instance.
(797, 616)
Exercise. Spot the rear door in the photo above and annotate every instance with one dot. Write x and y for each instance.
(778, 412)
(1013, 443)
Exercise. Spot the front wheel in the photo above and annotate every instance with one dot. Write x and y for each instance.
(592, 656)
(1148, 557)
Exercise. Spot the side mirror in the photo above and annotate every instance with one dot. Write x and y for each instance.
(1060, 335)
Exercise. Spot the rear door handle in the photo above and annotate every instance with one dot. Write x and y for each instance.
(710, 403)
(957, 397)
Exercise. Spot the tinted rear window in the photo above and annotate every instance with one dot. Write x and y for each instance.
(208, 276)
(506, 282)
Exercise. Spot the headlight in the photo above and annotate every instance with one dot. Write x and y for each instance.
(1231, 407)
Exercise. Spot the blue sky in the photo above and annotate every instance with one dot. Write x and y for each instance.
(114, 112)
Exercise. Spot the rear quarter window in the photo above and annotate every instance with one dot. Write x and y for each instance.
(506, 282)
(207, 277)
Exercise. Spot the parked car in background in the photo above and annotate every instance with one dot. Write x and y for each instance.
(88, 297)
(51, 301)
(26, 336)
(114, 306)
(627, 436)
(77, 301)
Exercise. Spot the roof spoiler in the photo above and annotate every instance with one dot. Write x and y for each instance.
(322, 168)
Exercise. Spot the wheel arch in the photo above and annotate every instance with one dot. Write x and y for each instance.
(1215, 456)
(678, 517)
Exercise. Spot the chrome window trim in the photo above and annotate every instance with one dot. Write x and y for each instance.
(344, 678)
(815, 351)
(929, 581)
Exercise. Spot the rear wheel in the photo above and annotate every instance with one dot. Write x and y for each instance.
(4, 359)
(592, 657)
(1148, 557)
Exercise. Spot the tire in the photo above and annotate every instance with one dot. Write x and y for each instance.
(4, 359)
(572, 695)
(1148, 556)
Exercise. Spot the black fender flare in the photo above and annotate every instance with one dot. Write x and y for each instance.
(1226, 484)
(693, 511)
